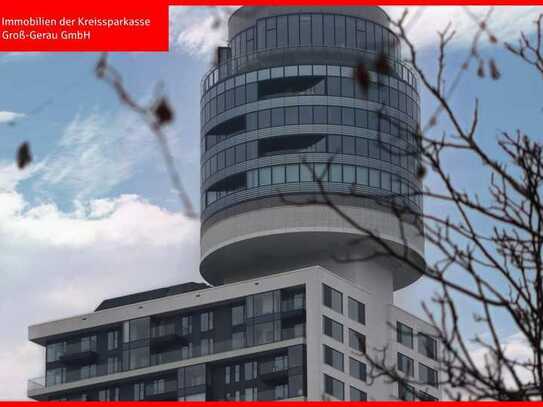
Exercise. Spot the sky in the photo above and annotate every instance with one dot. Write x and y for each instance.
(95, 215)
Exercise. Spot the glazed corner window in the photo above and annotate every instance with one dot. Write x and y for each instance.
(357, 311)
(264, 303)
(206, 321)
(88, 343)
(55, 351)
(404, 335)
(238, 315)
(427, 345)
(332, 329)
(427, 375)
(406, 392)
(206, 346)
(332, 298)
(357, 341)
(358, 395)
(357, 369)
(136, 329)
(406, 365)
(423, 396)
(191, 376)
(186, 325)
(112, 340)
(334, 387)
(332, 357)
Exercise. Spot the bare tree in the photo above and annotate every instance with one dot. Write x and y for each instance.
(157, 114)
(492, 239)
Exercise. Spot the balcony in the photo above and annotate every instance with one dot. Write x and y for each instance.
(79, 357)
(165, 336)
(275, 377)
(39, 386)
(166, 396)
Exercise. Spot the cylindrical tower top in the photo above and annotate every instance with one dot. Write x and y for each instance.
(245, 17)
(282, 116)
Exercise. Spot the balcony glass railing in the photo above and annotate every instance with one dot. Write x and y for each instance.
(257, 59)
(141, 357)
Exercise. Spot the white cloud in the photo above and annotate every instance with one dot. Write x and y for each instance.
(516, 348)
(10, 117)
(56, 264)
(191, 27)
(506, 22)
(97, 152)
(199, 30)
(7, 57)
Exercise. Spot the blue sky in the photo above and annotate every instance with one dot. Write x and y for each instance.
(95, 214)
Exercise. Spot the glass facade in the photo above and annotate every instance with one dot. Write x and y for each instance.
(309, 80)
(258, 112)
(245, 322)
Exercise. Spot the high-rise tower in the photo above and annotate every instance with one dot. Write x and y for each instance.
(281, 116)
(282, 104)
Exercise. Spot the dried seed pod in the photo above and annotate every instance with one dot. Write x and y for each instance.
(24, 156)
(362, 77)
(163, 112)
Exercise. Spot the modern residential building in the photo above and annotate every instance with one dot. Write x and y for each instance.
(284, 122)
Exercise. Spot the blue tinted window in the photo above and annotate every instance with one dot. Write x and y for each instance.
(373, 121)
(361, 118)
(347, 87)
(306, 172)
(264, 175)
(362, 176)
(349, 174)
(252, 92)
(261, 34)
(241, 154)
(252, 150)
(374, 149)
(340, 31)
(305, 30)
(333, 86)
(321, 171)
(319, 115)
(328, 25)
(278, 174)
(252, 178)
(348, 145)
(316, 25)
(293, 31)
(361, 147)
(334, 115)
(263, 119)
(334, 144)
(221, 160)
(240, 95)
(350, 32)
(252, 121)
(375, 180)
(293, 174)
(230, 156)
(278, 118)
(347, 116)
(306, 115)
(386, 181)
(370, 36)
(271, 38)
(282, 31)
(335, 173)
(291, 115)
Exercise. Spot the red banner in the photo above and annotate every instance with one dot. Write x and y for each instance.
(117, 25)
(121, 25)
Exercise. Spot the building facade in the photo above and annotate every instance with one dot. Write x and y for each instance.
(283, 123)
